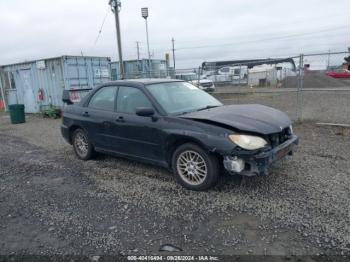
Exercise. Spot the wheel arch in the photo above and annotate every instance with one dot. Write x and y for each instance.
(71, 131)
(174, 141)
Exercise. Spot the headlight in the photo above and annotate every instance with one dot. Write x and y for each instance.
(248, 142)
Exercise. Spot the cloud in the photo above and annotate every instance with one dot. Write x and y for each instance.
(203, 30)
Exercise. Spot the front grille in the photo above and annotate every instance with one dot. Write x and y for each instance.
(280, 138)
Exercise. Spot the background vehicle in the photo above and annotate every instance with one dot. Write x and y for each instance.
(176, 125)
(236, 74)
(339, 74)
(204, 84)
(236, 71)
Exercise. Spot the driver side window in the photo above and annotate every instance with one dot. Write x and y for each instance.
(104, 99)
(130, 98)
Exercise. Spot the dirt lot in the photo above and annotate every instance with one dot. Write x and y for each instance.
(52, 203)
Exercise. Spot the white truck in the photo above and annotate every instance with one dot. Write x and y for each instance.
(202, 83)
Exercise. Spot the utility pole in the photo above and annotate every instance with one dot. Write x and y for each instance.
(138, 50)
(300, 88)
(116, 5)
(329, 59)
(144, 13)
(139, 64)
(173, 44)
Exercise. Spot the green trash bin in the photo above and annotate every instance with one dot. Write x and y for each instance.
(17, 114)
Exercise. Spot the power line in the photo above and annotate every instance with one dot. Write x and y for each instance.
(265, 39)
(271, 53)
(264, 26)
(269, 34)
(103, 22)
(291, 36)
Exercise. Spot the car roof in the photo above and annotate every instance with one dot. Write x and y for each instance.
(144, 81)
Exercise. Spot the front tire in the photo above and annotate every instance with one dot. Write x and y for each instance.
(194, 168)
(81, 144)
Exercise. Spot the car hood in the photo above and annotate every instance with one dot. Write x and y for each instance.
(250, 118)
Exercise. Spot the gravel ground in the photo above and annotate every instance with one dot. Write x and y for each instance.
(52, 203)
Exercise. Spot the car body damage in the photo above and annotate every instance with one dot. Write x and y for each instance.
(163, 122)
(271, 124)
(250, 118)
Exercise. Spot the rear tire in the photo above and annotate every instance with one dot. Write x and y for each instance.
(81, 144)
(194, 168)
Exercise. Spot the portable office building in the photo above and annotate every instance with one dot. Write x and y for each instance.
(262, 76)
(40, 83)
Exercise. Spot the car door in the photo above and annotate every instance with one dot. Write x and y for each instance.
(139, 136)
(99, 117)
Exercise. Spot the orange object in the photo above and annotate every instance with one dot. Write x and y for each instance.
(2, 105)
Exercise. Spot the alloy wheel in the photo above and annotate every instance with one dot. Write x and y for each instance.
(81, 144)
(192, 167)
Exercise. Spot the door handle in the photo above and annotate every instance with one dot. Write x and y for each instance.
(120, 119)
(86, 114)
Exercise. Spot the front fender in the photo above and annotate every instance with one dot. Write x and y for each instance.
(210, 142)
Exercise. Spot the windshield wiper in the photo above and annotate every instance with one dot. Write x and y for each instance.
(184, 113)
(207, 107)
(191, 111)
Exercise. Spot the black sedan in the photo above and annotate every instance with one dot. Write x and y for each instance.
(173, 124)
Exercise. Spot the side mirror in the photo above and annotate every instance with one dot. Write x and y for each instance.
(66, 97)
(144, 111)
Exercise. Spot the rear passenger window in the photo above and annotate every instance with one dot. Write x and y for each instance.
(104, 99)
(130, 98)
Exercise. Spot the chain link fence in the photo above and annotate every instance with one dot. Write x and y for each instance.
(271, 82)
(323, 87)
(312, 87)
(307, 87)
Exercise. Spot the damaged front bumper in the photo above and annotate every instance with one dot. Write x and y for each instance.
(250, 163)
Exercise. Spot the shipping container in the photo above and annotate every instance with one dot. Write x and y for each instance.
(40, 83)
(140, 69)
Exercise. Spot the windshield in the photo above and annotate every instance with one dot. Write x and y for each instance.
(181, 97)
